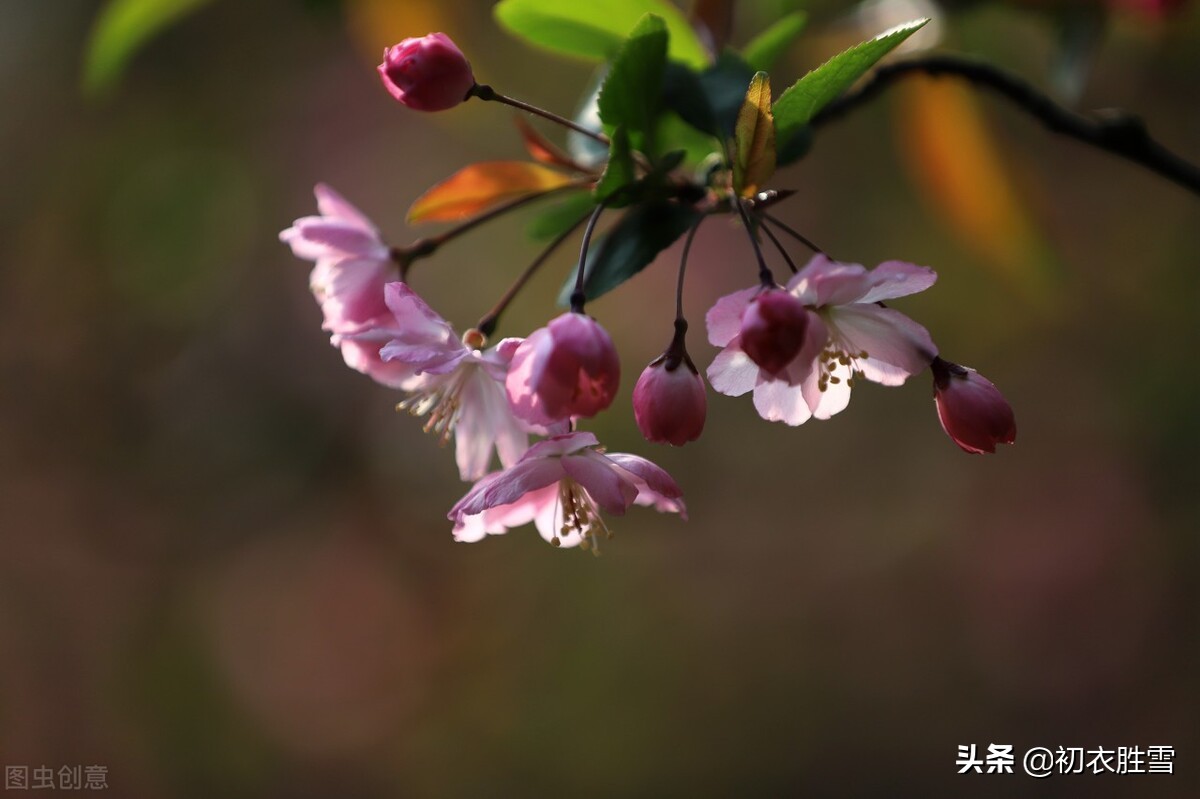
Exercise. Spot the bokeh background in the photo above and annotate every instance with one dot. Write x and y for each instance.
(224, 564)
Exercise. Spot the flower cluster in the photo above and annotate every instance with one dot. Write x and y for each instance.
(798, 348)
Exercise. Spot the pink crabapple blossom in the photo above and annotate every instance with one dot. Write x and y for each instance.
(971, 409)
(428, 73)
(567, 369)
(458, 386)
(561, 485)
(773, 329)
(352, 265)
(669, 402)
(848, 334)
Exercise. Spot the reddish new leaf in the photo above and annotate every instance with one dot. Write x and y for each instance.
(542, 149)
(479, 186)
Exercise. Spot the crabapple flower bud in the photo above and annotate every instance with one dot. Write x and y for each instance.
(429, 73)
(669, 402)
(972, 411)
(773, 327)
(569, 368)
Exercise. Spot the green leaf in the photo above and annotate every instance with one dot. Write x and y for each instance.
(619, 172)
(630, 95)
(559, 217)
(630, 246)
(121, 28)
(796, 106)
(710, 100)
(754, 138)
(695, 144)
(594, 29)
(765, 49)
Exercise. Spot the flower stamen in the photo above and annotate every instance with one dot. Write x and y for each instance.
(442, 403)
(580, 516)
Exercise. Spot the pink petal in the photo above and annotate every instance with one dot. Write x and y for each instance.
(724, 319)
(510, 485)
(897, 347)
(562, 445)
(649, 476)
(495, 521)
(609, 486)
(350, 291)
(424, 358)
(331, 238)
(776, 401)
(363, 356)
(732, 373)
(417, 321)
(821, 277)
(485, 422)
(841, 284)
(893, 279)
(549, 523)
(835, 397)
(528, 363)
(332, 204)
(805, 363)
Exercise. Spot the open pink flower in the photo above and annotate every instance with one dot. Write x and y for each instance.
(352, 262)
(971, 409)
(848, 334)
(459, 387)
(561, 485)
(774, 328)
(569, 368)
(428, 73)
(352, 267)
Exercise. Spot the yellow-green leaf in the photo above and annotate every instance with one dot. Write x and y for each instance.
(765, 49)
(121, 28)
(479, 186)
(804, 98)
(594, 29)
(754, 138)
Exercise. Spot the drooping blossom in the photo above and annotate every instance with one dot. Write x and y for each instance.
(567, 369)
(669, 402)
(848, 334)
(352, 266)
(352, 262)
(562, 484)
(971, 409)
(773, 329)
(457, 385)
(427, 73)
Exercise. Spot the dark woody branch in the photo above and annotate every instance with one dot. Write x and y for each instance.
(1116, 132)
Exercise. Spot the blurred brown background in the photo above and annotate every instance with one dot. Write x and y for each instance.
(224, 564)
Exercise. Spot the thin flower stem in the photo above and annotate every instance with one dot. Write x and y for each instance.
(578, 297)
(501, 210)
(765, 275)
(687, 247)
(484, 92)
(487, 324)
(425, 247)
(1117, 132)
(817, 250)
(779, 246)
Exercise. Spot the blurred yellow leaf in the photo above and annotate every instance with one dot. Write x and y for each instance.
(754, 138)
(376, 24)
(479, 186)
(954, 159)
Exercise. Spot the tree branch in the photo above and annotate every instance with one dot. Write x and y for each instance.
(1117, 132)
